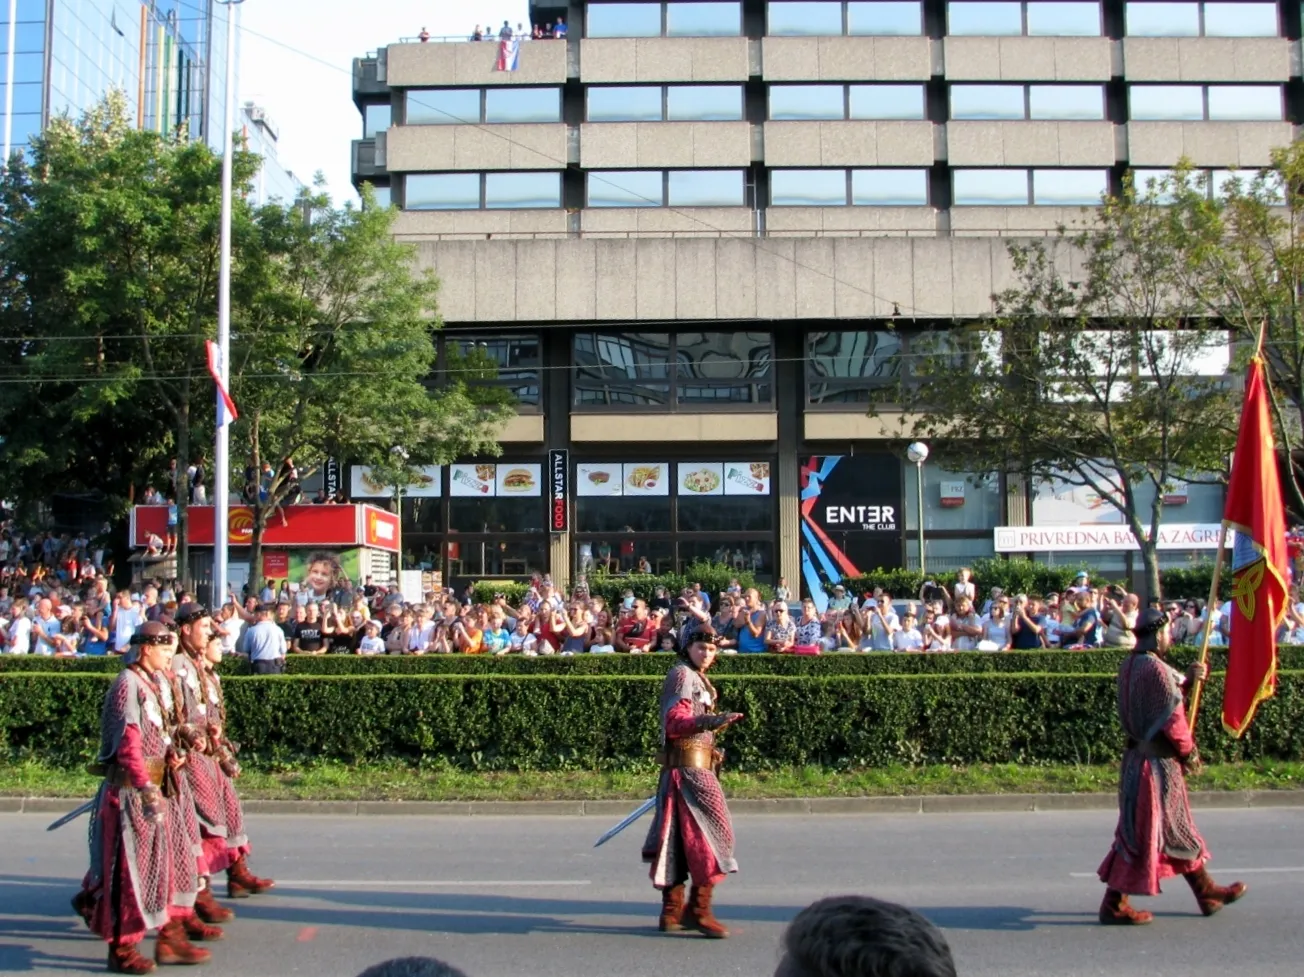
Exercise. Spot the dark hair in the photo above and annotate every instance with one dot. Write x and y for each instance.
(857, 936)
(412, 967)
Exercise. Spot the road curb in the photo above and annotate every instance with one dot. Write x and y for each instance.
(918, 804)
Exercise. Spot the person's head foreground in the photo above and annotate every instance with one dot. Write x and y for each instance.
(412, 967)
(858, 936)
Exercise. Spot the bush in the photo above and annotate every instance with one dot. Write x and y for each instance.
(1193, 582)
(714, 578)
(1015, 576)
(873, 663)
(611, 722)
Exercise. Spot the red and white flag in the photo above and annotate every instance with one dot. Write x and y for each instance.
(226, 412)
(509, 54)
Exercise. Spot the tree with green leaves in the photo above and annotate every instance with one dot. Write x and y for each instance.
(1093, 371)
(333, 353)
(109, 269)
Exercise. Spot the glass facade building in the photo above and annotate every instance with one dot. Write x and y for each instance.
(168, 57)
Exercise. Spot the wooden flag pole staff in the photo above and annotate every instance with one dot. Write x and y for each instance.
(1217, 578)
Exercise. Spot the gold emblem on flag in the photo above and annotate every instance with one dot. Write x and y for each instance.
(1246, 584)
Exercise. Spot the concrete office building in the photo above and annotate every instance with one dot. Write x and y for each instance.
(698, 236)
(260, 133)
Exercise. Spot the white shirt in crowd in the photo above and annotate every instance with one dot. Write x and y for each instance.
(880, 635)
(601, 649)
(20, 636)
(523, 644)
(907, 640)
(371, 645)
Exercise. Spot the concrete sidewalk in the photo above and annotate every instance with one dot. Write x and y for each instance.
(920, 804)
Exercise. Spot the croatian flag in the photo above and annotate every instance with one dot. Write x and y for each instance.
(509, 54)
(226, 412)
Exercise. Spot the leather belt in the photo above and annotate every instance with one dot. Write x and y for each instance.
(118, 776)
(1156, 749)
(693, 756)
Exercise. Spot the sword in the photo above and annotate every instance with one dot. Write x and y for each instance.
(73, 815)
(642, 809)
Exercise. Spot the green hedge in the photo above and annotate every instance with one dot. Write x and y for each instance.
(714, 578)
(558, 723)
(872, 663)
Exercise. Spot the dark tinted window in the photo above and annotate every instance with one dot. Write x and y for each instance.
(622, 369)
(729, 367)
(843, 366)
(510, 361)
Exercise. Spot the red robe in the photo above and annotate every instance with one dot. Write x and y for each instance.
(1156, 837)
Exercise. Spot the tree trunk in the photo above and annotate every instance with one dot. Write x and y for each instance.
(1150, 562)
(183, 488)
(256, 548)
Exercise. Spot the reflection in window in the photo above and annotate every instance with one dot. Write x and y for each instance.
(990, 188)
(985, 19)
(522, 105)
(383, 196)
(626, 188)
(491, 558)
(510, 361)
(509, 191)
(703, 19)
(889, 188)
(969, 102)
(808, 188)
(887, 101)
(452, 106)
(495, 515)
(844, 367)
(704, 103)
(1245, 102)
(706, 188)
(804, 19)
(1068, 188)
(885, 19)
(1240, 20)
(633, 369)
(1066, 102)
(622, 369)
(1169, 102)
(376, 119)
(617, 554)
(1061, 19)
(725, 513)
(807, 101)
(441, 191)
(1147, 19)
(756, 556)
(641, 103)
(622, 20)
(725, 367)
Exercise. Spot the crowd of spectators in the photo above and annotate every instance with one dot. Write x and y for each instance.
(539, 32)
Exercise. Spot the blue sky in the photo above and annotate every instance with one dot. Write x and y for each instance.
(311, 101)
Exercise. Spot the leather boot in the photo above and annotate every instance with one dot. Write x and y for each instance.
(672, 909)
(83, 904)
(124, 958)
(698, 915)
(199, 931)
(241, 883)
(1115, 910)
(1212, 897)
(172, 947)
(209, 909)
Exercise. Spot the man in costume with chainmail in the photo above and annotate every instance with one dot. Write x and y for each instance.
(212, 767)
(692, 834)
(144, 841)
(1156, 836)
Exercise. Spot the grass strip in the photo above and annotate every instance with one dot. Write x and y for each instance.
(399, 782)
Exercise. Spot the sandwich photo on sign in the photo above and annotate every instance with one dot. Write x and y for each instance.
(524, 480)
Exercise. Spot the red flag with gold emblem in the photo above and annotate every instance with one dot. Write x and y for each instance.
(1259, 595)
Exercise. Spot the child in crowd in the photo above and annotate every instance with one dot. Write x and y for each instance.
(908, 637)
(602, 643)
(371, 644)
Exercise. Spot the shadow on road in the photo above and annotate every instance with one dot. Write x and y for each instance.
(1013, 919)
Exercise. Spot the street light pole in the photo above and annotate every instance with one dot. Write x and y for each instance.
(918, 453)
(221, 447)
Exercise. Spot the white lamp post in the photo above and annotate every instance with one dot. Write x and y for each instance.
(221, 447)
(918, 453)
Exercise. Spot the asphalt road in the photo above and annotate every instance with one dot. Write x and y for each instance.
(502, 897)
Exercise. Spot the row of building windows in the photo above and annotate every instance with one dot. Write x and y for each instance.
(611, 369)
(1034, 18)
(876, 187)
(725, 103)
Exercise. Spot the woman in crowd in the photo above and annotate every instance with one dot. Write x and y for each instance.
(396, 639)
(937, 630)
(574, 629)
(996, 630)
(781, 635)
(850, 636)
(810, 630)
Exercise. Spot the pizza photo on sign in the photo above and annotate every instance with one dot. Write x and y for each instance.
(747, 478)
(466, 480)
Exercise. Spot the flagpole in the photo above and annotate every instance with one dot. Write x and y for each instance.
(221, 448)
(1208, 623)
(1217, 574)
